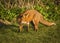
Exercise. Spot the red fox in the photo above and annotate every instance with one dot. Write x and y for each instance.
(35, 17)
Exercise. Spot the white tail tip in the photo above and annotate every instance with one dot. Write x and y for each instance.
(53, 23)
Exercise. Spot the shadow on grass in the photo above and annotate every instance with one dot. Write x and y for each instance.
(13, 28)
(6, 27)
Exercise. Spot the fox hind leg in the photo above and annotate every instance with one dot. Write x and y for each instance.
(35, 25)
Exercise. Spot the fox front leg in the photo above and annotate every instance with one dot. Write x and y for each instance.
(28, 26)
(20, 28)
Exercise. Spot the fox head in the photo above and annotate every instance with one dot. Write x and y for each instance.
(19, 18)
(22, 19)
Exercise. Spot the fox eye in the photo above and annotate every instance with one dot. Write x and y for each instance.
(21, 16)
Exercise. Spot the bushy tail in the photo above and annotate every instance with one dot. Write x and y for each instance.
(45, 22)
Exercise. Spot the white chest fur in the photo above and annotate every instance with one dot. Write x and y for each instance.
(24, 22)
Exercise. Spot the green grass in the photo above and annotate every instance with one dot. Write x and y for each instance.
(45, 34)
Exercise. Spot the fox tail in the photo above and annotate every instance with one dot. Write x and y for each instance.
(45, 22)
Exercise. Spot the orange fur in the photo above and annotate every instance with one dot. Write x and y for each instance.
(35, 17)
